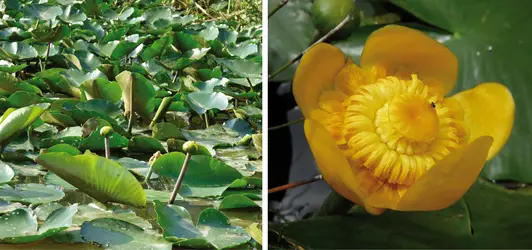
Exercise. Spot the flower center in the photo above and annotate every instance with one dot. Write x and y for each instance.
(414, 117)
(397, 129)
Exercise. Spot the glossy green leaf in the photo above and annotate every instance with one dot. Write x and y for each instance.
(42, 12)
(138, 94)
(102, 88)
(201, 102)
(44, 35)
(95, 141)
(237, 201)
(31, 193)
(6, 172)
(144, 144)
(101, 178)
(64, 148)
(118, 234)
(165, 130)
(476, 221)
(17, 50)
(285, 42)
(490, 48)
(205, 175)
(14, 121)
(243, 68)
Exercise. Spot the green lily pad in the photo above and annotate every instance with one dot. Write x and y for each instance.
(490, 48)
(10, 84)
(476, 221)
(101, 178)
(138, 94)
(213, 230)
(44, 35)
(52, 179)
(205, 175)
(237, 201)
(102, 88)
(6, 172)
(64, 148)
(42, 12)
(96, 141)
(17, 50)
(92, 211)
(100, 106)
(72, 14)
(243, 68)
(201, 102)
(6, 206)
(21, 99)
(165, 130)
(44, 210)
(31, 193)
(215, 136)
(144, 144)
(118, 234)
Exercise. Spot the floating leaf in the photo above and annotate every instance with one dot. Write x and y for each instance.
(26, 231)
(31, 193)
(42, 12)
(237, 201)
(118, 234)
(203, 101)
(145, 144)
(17, 50)
(205, 175)
(6, 172)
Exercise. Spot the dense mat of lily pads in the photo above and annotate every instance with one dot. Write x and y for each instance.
(159, 78)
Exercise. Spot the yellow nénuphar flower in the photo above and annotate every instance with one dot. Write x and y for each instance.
(384, 135)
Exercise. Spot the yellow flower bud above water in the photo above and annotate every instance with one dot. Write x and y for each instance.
(384, 134)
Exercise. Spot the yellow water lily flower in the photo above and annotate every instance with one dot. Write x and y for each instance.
(384, 135)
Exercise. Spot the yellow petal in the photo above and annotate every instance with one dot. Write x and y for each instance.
(332, 163)
(448, 179)
(489, 109)
(404, 51)
(315, 74)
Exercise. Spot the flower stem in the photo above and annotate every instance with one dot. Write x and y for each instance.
(295, 184)
(287, 124)
(107, 142)
(323, 38)
(334, 204)
(130, 123)
(179, 179)
(161, 110)
(277, 8)
(206, 120)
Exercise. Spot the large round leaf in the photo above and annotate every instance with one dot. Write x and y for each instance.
(214, 228)
(119, 234)
(488, 216)
(17, 50)
(203, 101)
(205, 175)
(31, 193)
(42, 12)
(491, 46)
(20, 226)
(97, 176)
